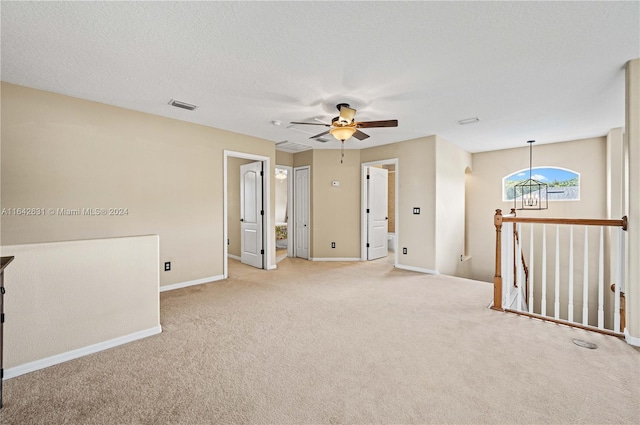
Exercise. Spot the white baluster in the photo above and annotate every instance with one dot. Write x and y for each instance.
(556, 301)
(531, 270)
(601, 281)
(543, 296)
(570, 308)
(618, 282)
(519, 262)
(585, 280)
(507, 270)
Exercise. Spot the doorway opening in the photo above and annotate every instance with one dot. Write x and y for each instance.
(380, 227)
(248, 190)
(283, 212)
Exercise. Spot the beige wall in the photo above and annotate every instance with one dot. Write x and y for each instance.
(336, 210)
(284, 158)
(587, 157)
(233, 199)
(67, 296)
(451, 163)
(63, 152)
(416, 176)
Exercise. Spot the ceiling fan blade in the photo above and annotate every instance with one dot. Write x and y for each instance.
(321, 134)
(311, 123)
(372, 124)
(360, 135)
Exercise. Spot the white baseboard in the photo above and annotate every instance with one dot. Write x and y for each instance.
(416, 269)
(272, 267)
(631, 340)
(191, 283)
(80, 352)
(335, 259)
(235, 257)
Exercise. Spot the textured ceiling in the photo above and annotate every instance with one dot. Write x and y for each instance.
(550, 71)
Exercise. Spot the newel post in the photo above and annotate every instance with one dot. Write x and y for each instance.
(497, 279)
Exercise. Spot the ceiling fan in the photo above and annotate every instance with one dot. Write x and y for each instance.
(344, 126)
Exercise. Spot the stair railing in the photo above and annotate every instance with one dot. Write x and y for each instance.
(532, 298)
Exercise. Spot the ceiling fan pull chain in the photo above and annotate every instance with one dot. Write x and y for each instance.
(341, 151)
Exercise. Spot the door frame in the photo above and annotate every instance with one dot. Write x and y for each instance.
(364, 198)
(302, 167)
(289, 205)
(268, 233)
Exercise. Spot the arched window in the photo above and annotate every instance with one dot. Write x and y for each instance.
(564, 184)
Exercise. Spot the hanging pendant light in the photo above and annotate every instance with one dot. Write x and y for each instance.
(531, 194)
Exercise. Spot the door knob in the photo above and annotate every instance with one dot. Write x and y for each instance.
(242, 219)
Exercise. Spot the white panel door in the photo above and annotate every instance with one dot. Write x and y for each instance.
(377, 217)
(251, 214)
(301, 206)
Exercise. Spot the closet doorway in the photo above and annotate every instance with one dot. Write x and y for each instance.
(283, 211)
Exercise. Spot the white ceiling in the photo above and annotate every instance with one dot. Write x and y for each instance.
(550, 71)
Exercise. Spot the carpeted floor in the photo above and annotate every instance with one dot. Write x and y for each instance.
(338, 343)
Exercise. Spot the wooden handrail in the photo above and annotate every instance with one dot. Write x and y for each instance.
(525, 268)
(577, 221)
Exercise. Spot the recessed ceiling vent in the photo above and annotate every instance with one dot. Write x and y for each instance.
(287, 146)
(182, 105)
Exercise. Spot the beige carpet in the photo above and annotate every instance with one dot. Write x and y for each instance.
(333, 343)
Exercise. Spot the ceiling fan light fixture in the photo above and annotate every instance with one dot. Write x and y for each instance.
(342, 133)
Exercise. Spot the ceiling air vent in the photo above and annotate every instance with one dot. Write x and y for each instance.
(182, 105)
(287, 146)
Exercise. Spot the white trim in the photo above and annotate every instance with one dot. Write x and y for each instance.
(80, 352)
(234, 257)
(363, 206)
(266, 196)
(416, 269)
(631, 340)
(191, 283)
(272, 267)
(335, 259)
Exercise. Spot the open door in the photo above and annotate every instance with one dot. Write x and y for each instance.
(301, 205)
(377, 213)
(251, 215)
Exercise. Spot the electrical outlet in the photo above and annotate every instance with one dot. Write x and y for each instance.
(404, 250)
(333, 244)
(416, 210)
(167, 266)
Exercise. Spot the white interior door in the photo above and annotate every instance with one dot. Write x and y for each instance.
(251, 214)
(301, 206)
(377, 212)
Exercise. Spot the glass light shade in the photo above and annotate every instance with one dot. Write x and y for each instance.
(281, 174)
(347, 114)
(342, 133)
